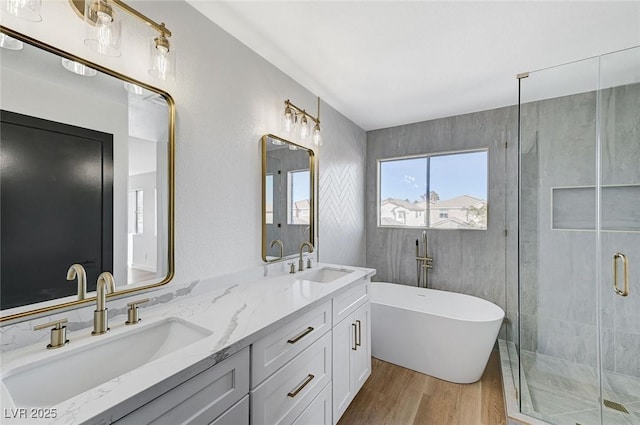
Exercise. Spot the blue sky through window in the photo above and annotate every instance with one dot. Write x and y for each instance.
(451, 175)
(300, 184)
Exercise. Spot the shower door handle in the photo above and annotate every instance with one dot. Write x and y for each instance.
(625, 274)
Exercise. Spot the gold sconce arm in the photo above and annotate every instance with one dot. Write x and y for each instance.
(301, 111)
(79, 6)
(292, 114)
(161, 28)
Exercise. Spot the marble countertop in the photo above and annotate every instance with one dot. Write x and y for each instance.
(237, 315)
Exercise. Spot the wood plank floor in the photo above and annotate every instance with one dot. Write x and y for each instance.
(394, 395)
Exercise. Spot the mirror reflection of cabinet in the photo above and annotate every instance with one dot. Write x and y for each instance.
(288, 176)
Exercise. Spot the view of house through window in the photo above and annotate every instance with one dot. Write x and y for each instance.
(298, 205)
(447, 191)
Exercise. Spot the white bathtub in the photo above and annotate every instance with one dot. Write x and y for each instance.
(443, 334)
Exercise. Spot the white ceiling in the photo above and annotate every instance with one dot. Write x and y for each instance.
(388, 63)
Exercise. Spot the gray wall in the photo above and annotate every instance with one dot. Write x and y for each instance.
(557, 267)
(475, 262)
(559, 286)
(621, 164)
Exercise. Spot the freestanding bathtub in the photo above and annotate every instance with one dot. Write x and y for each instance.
(443, 334)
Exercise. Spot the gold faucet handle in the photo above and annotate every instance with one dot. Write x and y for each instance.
(58, 333)
(56, 325)
(132, 312)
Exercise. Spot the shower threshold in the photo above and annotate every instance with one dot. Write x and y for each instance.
(558, 392)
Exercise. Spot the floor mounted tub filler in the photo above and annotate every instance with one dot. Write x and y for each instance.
(442, 334)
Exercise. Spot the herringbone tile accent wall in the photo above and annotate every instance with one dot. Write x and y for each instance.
(341, 229)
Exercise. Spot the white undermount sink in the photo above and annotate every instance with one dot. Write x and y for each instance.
(325, 275)
(71, 372)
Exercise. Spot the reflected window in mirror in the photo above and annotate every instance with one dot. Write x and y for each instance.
(269, 199)
(288, 197)
(136, 212)
(436, 191)
(298, 197)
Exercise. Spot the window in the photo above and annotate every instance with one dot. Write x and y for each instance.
(136, 212)
(445, 191)
(269, 198)
(299, 197)
(402, 217)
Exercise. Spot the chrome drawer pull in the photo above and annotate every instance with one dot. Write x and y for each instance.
(359, 341)
(302, 335)
(304, 384)
(355, 337)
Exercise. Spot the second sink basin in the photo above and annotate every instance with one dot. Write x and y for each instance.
(325, 275)
(71, 372)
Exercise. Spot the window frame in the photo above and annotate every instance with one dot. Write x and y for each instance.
(379, 162)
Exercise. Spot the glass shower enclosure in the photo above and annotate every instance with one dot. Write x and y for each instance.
(578, 340)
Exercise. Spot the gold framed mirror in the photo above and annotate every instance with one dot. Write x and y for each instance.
(116, 202)
(288, 198)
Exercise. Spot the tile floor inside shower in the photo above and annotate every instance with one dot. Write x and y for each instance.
(564, 393)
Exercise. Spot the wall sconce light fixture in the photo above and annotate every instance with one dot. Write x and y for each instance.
(297, 119)
(78, 68)
(25, 9)
(10, 43)
(103, 30)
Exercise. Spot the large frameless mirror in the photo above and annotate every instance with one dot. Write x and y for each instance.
(288, 213)
(86, 178)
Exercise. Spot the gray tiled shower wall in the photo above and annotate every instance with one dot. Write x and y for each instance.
(558, 293)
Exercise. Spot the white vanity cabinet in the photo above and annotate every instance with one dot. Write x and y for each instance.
(236, 415)
(319, 411)
(291, 369)
(351, 346)
(201, 399)
(305, 372)
(276, 349)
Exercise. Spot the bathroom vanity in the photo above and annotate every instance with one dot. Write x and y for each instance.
(281, 349)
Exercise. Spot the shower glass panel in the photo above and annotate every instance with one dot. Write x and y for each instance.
(558, 318)
(619, 215)
(579, 153)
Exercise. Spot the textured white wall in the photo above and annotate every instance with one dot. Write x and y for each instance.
(227, 97)
(341, 232)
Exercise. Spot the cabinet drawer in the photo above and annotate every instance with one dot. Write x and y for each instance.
(199, 399)
(286, 394)
(347, 302)
(237, 415)
(276, 349)
(319, 411)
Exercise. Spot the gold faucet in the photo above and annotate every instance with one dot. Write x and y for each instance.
(300, 262)
(76, 270)
(279, 242)
(104, 286)
(424, 262)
